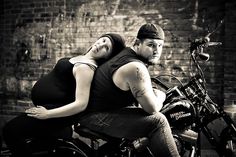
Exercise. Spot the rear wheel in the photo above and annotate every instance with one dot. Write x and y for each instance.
(58, 147)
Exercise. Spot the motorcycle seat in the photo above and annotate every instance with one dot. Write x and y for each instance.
(93, 135)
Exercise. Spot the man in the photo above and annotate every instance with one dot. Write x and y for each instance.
(124, 80)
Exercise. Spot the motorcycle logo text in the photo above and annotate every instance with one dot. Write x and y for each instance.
(179, 115)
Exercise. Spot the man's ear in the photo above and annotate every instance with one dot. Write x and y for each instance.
(137, 42)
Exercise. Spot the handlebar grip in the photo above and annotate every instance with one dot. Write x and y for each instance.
(214, 43)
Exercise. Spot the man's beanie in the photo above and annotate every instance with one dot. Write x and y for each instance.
(118, 42)
(151, 31)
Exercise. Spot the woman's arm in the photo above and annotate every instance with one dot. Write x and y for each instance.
(83, 75)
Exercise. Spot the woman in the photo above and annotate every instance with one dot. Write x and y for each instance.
(60, 96)
(58, 87)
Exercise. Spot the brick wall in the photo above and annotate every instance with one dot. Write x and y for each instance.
(230, 54)
(36, 33)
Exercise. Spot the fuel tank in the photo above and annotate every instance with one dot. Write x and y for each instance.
(180, 113)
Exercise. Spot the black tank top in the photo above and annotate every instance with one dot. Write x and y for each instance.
(57, 88)
(105, 95)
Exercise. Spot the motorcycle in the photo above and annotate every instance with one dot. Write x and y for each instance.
(191, 112)
(188, 108)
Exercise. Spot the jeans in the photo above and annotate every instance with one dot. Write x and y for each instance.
(132, 123)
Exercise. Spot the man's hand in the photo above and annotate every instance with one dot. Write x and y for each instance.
(38, 112)
(160, 94)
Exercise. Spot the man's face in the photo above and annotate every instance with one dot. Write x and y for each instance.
(151, 50)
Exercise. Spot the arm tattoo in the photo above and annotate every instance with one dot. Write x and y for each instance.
(140, 75)
(138, 93)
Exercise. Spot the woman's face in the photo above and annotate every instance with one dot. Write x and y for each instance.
(102, 48)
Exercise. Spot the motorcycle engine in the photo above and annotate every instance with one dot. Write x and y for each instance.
(184, 140)
(180, 112)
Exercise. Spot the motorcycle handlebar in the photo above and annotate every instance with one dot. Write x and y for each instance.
(199, 42)
(202, 43)
(205, 41)
(214, 43)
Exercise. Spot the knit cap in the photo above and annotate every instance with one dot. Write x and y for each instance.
(150, 31)
(118, 42)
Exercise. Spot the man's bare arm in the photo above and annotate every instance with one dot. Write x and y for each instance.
(139, 82)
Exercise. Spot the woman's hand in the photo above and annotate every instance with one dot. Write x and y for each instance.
(38, 112)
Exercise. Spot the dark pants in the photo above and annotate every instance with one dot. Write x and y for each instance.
(23, 127)
(130, 123)
(133, 123)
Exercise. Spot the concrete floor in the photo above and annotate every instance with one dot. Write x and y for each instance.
(209, 153)
(206, 153)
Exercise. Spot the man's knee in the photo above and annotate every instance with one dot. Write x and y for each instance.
(160, 119)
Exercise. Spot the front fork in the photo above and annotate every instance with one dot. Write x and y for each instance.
(228, 136)
(207, 132)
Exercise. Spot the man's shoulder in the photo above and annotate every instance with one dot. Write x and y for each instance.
(133, 66)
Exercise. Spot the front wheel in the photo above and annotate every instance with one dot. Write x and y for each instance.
(228, 143)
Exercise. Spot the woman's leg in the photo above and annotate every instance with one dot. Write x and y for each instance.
(23, 127)
(134, 123)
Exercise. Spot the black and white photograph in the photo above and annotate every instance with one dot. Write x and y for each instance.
(118, 78)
